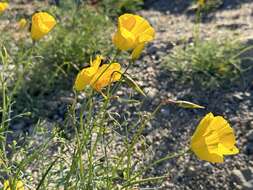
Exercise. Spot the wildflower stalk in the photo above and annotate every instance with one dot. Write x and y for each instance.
(101, 125)
(46, 173)
(144, 181)
(115, 89)
(130, 147)
(5, 102)
(100, 133)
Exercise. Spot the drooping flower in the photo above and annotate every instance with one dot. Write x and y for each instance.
(98, 76)
(132, 34)
(3, 7)
(19, 185)
(213, 139)
(42, 24)
(22, 23)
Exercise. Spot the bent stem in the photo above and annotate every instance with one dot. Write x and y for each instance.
(115, 89)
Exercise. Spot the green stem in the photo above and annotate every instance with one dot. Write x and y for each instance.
(46, 173)
(145, 181)
(115, 89)
(168, 157)
(135, 138)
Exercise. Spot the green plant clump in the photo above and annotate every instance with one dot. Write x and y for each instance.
(210, 63)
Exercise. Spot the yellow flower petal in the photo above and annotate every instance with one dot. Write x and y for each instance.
(98, 76)
(127, 21)
(203, 154)
(19, 185)
(133, 32)
(85, 76)
(227, 151)
(107, 74)
(202, 128)
(42, 24)
(3, 7)
(137, 51)
(124, 39)
(22, 23)
(213, 139)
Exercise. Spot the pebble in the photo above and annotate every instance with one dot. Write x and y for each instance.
(238, 176)
(151, 92)
(18, 126)
(249, 148)
(243, 178)
(249, 135)
(165, 112)
(238, 95)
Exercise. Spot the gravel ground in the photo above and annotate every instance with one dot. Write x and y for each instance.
(173, 127)
(170, 131)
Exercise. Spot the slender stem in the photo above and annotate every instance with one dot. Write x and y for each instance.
(115, 89)
(137, 134)
(46, 173)
(145, 180)
(168, 157)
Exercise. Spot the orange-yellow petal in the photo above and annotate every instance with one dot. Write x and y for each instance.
(19, 185)
(3, 7)
(22, 23)
(107, 74)
(133, 30)
(127, 21)
(201, 128)
(213, 139)
(137, 51)
(123, 39)
(85, 76)
(42, 24)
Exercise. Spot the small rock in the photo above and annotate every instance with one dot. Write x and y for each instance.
(151, 92)
(247, 94)
(249, 148)
(152, 49)
(248, 185)
(165, 112)
(238, 176)
(191, 171)
(249, 135)
(238, 96)
(248, 174)
(18, 126)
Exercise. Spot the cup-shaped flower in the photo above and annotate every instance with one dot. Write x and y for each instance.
(132, 34)
(42, 24)
(98, 76)
(213, 139)
(3, 7)
(19, 185)
(22, 23)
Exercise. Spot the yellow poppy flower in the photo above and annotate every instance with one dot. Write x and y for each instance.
(132, 34)
(19, 185)
(3, 7)
(213, 139)
(98, 76)
(42, 23)
(22, 23)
